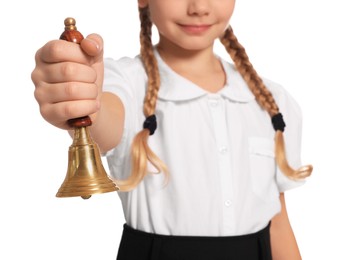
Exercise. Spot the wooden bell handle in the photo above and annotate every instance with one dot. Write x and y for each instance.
(71, 34)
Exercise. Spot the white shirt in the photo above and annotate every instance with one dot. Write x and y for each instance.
(219, 149)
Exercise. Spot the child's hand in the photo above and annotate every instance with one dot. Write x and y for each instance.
(68, 79)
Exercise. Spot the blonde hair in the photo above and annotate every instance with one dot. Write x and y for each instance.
(141, 152)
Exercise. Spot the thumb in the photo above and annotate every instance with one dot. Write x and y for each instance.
(92, 45)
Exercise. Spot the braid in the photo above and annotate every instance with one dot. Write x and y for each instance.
(140, 150)
(150, 62)
(264, 98)
(246, 69)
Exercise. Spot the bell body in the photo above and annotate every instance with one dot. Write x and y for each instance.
(85, 174)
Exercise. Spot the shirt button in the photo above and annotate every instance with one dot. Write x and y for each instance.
(213, 102)
(223, 149)
(227, 203)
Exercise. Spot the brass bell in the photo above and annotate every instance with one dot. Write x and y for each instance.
(85, 174)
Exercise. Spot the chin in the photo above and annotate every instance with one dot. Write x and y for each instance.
(197, 48)
(195, 45)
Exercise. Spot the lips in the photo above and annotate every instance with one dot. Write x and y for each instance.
(195, 29)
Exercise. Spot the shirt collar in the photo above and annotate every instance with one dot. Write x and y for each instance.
(174, 87)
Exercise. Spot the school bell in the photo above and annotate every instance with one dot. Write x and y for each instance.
(85, 173)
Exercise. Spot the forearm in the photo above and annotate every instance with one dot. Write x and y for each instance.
(283, 242)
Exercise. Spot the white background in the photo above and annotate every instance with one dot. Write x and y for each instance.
(292, 42)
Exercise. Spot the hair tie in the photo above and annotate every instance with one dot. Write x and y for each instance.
(278, 122)
(150, 123)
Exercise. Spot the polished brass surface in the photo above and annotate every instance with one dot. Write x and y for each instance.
(85, 174)
(70, 23)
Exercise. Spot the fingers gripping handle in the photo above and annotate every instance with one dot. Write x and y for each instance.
(71, 34)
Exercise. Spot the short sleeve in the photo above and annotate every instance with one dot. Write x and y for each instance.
(292, 116)
(115, 80)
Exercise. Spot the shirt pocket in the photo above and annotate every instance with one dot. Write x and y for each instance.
(263, 168)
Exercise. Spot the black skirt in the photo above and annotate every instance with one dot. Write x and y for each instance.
(138, 245)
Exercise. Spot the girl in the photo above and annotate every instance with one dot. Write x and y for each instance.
(211, 130)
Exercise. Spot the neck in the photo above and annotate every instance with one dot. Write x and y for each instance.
(183, 60)
(201, 66)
